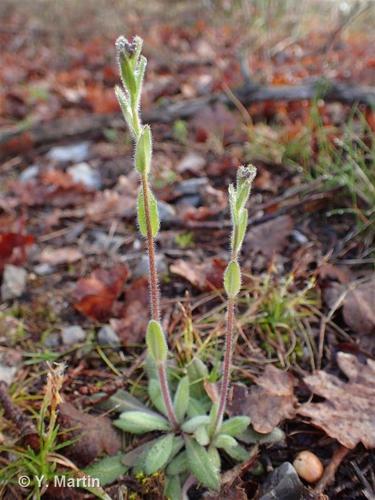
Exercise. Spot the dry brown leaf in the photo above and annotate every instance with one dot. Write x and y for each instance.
(56, 256)
(206, 276)
(132, 323)
(95, 295)
(348, 414)
(270, 237)
(359, 308)
(93, 435)
(271, 400)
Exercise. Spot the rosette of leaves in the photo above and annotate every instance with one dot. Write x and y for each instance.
(196, 448)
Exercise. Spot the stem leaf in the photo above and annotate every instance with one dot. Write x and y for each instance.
(156, 343)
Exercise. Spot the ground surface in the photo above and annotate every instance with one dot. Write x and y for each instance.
(67, 214)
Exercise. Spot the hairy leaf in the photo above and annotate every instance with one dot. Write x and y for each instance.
(154, 214)
(158, 455)
(201, 464)
(235, 425)
(138, 422)
(107, 470)
(156, 343)
(181, 399)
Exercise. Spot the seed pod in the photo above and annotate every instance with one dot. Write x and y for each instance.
(156, 343)
(232, 279)
(308, 466)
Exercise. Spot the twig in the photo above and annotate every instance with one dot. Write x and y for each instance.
(330, 471)
(14, 414)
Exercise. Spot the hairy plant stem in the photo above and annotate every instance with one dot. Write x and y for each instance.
(155, 303)
(227, 363)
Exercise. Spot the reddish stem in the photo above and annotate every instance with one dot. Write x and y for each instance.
(155, 303)
(154, 282)
(227, 363)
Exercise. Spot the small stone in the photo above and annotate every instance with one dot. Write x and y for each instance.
(29, 173)
(43, 269)
(141, 269)
(73, 335)
(52, 340)
(308, 466)
(14, 282)
(192, 162)
(72, 152)
(191, 186)
(107, 336)
(190, 200)
(84, 174)
(282, 484)
(10, 361)
(167, 213)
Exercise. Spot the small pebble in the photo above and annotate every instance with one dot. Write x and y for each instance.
(308, 466)
(107, 336)
(73, 335)
(71, 152)
(14, 282)
(83, 173)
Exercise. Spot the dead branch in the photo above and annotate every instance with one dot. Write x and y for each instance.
(19, 138)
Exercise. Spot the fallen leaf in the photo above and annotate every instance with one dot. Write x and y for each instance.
(131, 326)
(56, 256)
(271, 400)
(93, 435)
(359, 308)
(270, 237)
(94, 296)
(13, 248)
(207, 276)
(348, 412)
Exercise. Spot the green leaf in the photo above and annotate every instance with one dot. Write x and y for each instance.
(159, 454)
(125, 108)
(201, 465)
(156, 396)
(213, 415)
(241, 231)
(215, 456)
(107, 470)
(224, 441)
(172, 488)
(131, 458)
(123, 401)
(249, 436)
(154, 214)
(138, 422)
(140, 73)
(127, 76)
(197, 372)
(235, 425)
(232, 279)
(238, 453)
(181, 399)
(156, 343)
(195, 422)
(143, 151)
(201, 435)
(198, 407)
(178, 465)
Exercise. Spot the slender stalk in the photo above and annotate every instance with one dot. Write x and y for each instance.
(227, 363)
(155, 303)
(163, 381)
(153, 280)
